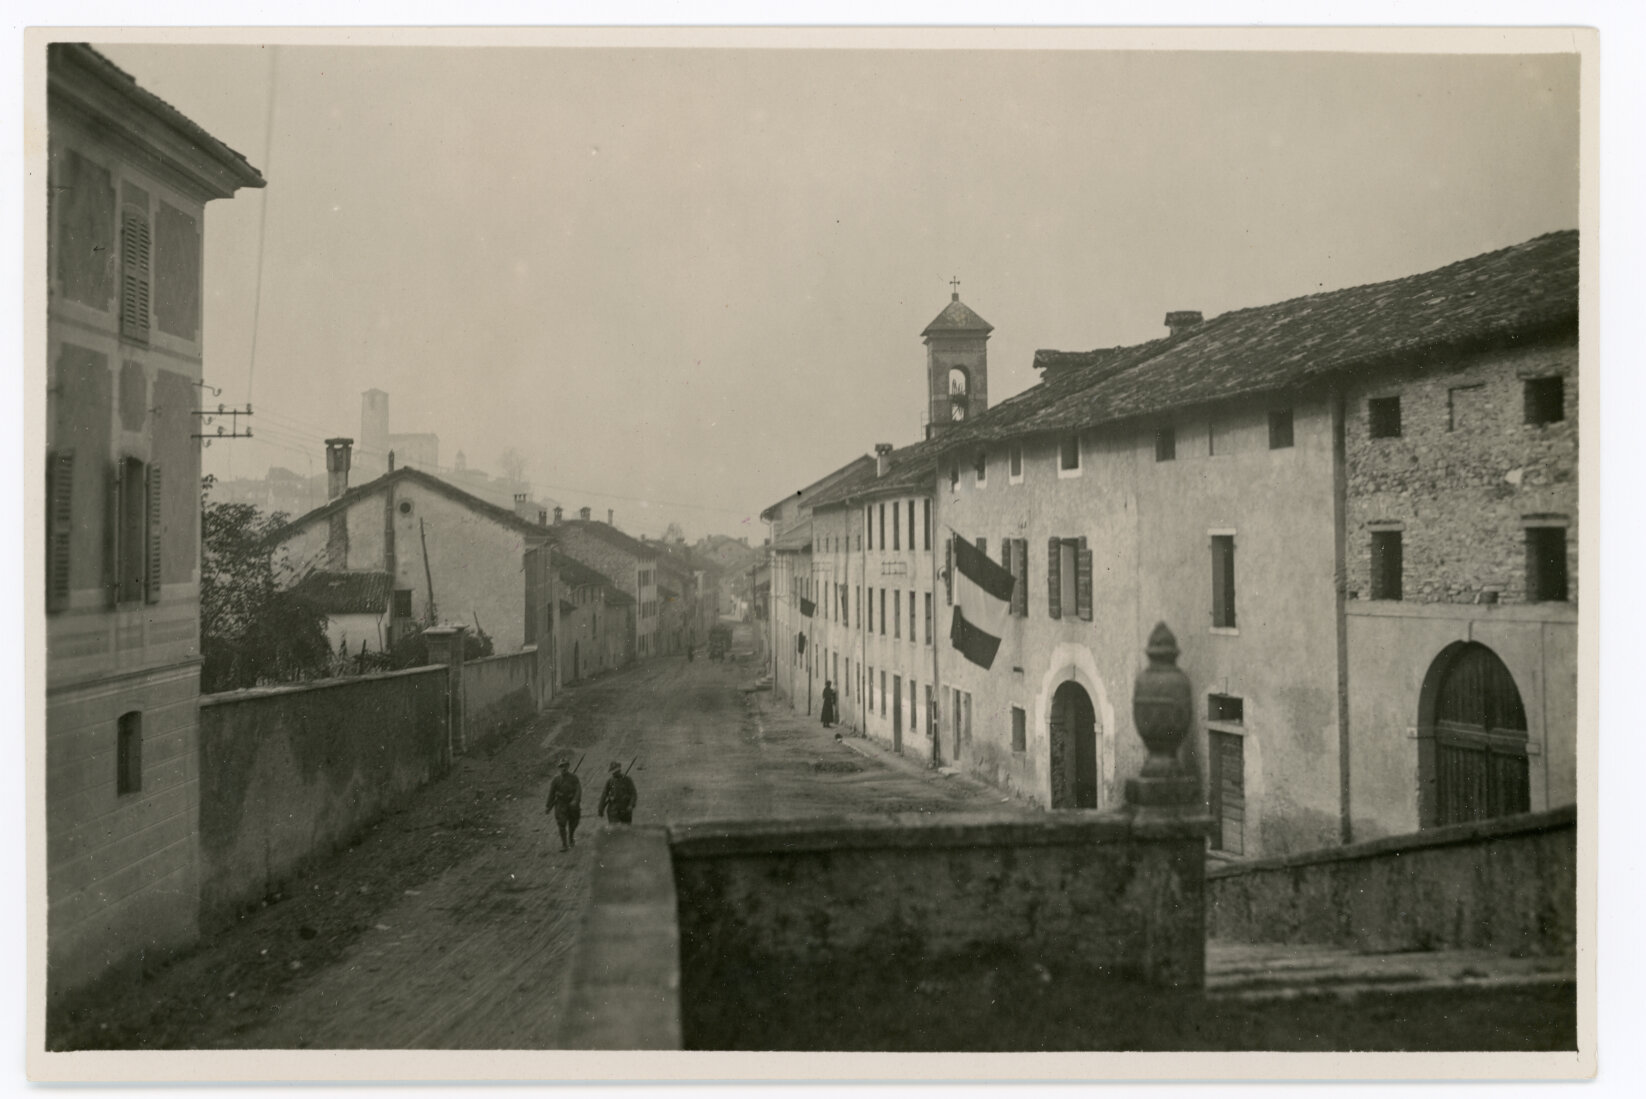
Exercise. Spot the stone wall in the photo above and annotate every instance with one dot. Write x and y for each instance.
(291, 774)
(499, 692)
(1508, 885)
(1463, 474)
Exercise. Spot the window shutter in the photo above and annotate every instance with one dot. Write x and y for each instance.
(59, 527)
(111, 537)
(134, 276)
(948, 570)
(1083, 580)
(1020, 562)
(1054, 578)
(151, 589)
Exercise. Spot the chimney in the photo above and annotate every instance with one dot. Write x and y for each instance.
(583, 514)
(882, 458)
(337, 466)
(542, 517)
(558, 513)
(522, 507)
(610, 522)
(391, 461)
(1183, 320)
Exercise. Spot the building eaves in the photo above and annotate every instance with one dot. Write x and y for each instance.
(611, 536)
(797, 539)
(500, 515)
(957, 316)
(805, 495)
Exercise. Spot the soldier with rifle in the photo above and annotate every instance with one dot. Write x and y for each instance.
(566, 803)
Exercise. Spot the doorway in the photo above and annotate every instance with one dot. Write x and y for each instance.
(1073, 748)
(1475, 763)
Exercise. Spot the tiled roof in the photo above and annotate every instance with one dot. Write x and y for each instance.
(1495, 299)
(500, 515)
(345, 592)
(611, 535)
(910, 469)
(817, 487)
(957, 316)
(576, 574)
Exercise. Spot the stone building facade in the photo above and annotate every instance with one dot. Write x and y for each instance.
(129, 179)
(628, 563)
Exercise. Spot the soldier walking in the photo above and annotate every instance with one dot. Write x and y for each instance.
(618, 799)
(566, 803)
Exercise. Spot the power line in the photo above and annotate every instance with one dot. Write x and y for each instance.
(262, 224)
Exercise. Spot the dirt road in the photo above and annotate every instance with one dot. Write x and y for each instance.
(450, 924)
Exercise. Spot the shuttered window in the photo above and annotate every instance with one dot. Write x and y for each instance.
(132, 542)
(151, 587)
(59, 527)
(128, 753)
(1054, 578)
(135, 277)
(1083, 579)
(1228, 791)
(1020, 569)
(1223, 581)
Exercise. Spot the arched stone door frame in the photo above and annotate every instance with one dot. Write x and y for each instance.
(1071, 662)
(1500, 743)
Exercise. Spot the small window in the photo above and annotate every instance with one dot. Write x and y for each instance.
(1545, 400)
(1165, 444)
(1546, 565)
(1020, 729)
(897, 617)
(911, 525)
(403, 603)
(1280, 428)
(882, 612)
(1017, 461)
(1223, 581)
(926, 513)
(928, 618)
(1383, 417)
(128, 754)
(980, 465)
(1068, 452)
(897, 526)
(1387, 564)
(883, 526)
(1230, 709)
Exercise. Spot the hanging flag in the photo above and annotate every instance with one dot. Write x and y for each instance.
(975, 566)
(974, 644)
(807, 607)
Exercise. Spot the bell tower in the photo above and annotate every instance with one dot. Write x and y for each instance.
(957, 364)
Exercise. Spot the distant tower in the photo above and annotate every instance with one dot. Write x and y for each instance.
(374, 427)
(957, 364)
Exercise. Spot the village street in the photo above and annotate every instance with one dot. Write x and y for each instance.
(451, 924)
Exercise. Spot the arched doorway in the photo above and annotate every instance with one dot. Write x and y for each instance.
(1474, 765)
(1073, 748)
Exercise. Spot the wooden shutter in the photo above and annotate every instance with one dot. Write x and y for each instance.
(151, 586)
(1020, 563)
(948, 571)
(111, 537)
(1083, 580)
(59, 527)
(1054, 578)
(134, 275)
(1006, 547)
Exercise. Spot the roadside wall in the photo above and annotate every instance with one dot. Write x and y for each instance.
(289, 774)
(1508, 885)
(498, 693)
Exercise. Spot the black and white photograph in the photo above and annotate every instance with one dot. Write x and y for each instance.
(709, 554)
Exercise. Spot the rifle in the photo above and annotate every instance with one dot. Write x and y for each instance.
(630, 767)
(579, 762)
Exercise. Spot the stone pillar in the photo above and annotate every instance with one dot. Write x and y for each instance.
(446, 647)
(1162, 710)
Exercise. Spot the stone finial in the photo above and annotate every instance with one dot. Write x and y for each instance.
(1162, 710)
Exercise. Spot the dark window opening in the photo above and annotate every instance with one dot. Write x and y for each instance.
(1388, 554)
(1068, 454)
(1280, 429)
(1545, 400)
(1223, 581)
(1020, 729)
(926, 513)
(1165, 444)
(128, 754)
(980, 465)
(403, 603)
(1383, 417)
(1546, 565)
(1017, 461)
(1229, 708)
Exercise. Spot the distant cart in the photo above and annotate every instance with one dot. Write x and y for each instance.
(720, 641)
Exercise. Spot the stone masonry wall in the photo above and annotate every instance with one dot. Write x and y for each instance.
(1464, 473)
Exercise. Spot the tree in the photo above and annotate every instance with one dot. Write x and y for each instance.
(513, 464)
(251, 631)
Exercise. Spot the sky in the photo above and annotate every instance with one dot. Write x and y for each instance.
(685, 283)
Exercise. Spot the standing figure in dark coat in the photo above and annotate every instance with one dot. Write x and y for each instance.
(618, 799)
(566, 803)
(831, 714)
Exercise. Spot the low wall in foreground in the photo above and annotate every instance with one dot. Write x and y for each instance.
(1508, 885)
(499, 692)
(719, 917)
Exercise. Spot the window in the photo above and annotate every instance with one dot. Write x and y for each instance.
(882, 612)
(868, 523)
(871, 610)
(59, 527)
(897, 617)
(1383, 417)
(1019, 566)
(1165, 444)
(911, 525)
(1545, 400)
(897, 526)
(883, 526)
(128, 753)
(871, 690)
(954, 475)
(1230, 709)
(137, 532)
(1387, 554)
(1223, 581)
(882, 691)
(1280, 428)
(1017, 463)
(1068, 453)
(1020, 729)
(857, 596)
(926, 511)
(846, 684)
(928, 618)
(980, 465)
(1211, 434)
(1546, 565)
(134, 264)
(911, 618)
(1068, 578)
(402, 603)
